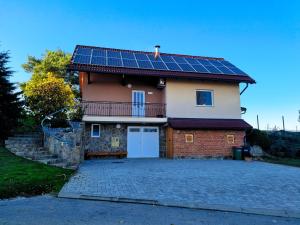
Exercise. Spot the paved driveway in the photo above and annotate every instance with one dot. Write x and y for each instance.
(232, 185)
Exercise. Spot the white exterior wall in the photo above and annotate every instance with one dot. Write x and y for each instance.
(181, 100)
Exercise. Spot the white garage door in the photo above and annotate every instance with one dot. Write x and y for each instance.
(142, 142)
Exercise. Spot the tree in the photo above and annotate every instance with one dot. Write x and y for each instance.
(10, 104)
(52, 62)
(47, 95)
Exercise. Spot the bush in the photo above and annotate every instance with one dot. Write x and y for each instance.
(76, 114)
(260, 138)
(27, 123)
(285, 144)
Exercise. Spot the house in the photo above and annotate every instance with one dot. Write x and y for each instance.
(153, 104)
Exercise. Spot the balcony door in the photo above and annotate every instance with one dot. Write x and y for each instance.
(138, 103)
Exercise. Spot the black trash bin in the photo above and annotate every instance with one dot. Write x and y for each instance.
(237, 153)
(246, 152)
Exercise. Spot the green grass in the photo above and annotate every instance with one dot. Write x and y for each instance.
(22, 177)
(284, 161)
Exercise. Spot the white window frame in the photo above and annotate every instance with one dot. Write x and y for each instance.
(92, 130)
(212, 97)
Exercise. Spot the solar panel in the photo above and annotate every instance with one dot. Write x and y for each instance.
(200, 69)
(238, 71)
(99, 52)
(228, 64)
(127, 55)
(130, 63)
(84, 59)
(167, 58)
(192, 61)
(152, 58)
(212, 69)
(225, 70)
(159, 65)
(179, 59)
(186, 67)
(140, 56)
(121, 58)
(99, 61)
(204, 62)
(173, 66)
(216, 63)
(113, 54)
(114, 62)
(145, 64)
(84, 51)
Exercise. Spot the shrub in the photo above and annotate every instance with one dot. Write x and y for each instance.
(260, 138)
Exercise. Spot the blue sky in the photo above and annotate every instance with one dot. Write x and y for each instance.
(260, 37)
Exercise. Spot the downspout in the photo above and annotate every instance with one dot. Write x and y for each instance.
(244, 139)
(244, 89)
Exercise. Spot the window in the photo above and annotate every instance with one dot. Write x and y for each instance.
(230, 139)
(134, 129)
(204, 98)
(95, 131)
(189, 138)
(150, 130)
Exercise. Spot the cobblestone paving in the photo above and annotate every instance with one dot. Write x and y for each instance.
(220, 182)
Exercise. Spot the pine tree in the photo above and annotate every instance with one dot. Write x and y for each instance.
(10, 104)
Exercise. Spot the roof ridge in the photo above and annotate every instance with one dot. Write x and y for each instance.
(162, 53)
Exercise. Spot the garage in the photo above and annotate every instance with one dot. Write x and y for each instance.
(142, 142)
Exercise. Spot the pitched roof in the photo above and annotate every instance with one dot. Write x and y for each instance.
(217, 124)
(118, 61)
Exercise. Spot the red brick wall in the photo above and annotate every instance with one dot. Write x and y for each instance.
(206, 143)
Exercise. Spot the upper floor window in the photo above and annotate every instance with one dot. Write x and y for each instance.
(204, 98)
(95, 131)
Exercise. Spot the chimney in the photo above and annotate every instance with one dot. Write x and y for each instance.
(156, 53)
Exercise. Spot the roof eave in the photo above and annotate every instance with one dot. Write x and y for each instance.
(158, 73)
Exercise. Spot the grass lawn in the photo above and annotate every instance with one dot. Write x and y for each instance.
(22, 177)
(284, 161)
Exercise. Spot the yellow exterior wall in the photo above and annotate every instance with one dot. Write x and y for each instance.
(181, 100)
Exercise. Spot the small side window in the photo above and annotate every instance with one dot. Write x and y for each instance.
(95, 130)
(230, 139)
(189, 138)
(204, 98)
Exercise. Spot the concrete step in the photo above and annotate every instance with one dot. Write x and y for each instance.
(22, 154)
(36, 135)
(23, 141)
(24, 138)
(42, 157)
(50, 161)
(61, 165)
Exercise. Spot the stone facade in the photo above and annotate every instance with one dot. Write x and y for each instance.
(110, 131)
(104, 142)
(205, 143)
(67, 145)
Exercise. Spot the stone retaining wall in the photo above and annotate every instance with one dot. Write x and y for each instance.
(66, 144)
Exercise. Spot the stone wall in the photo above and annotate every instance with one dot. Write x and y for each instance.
(205, 143)
(109, 131)
(104, 142)
(66, 144)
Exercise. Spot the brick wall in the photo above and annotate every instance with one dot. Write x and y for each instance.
(210, 143)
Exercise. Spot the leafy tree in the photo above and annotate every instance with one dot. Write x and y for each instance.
(10, 104)
(47, 95)
(52, 62)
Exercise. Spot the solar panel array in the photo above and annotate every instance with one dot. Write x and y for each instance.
(125, 59)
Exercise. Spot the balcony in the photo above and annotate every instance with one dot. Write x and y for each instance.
(129, 110)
